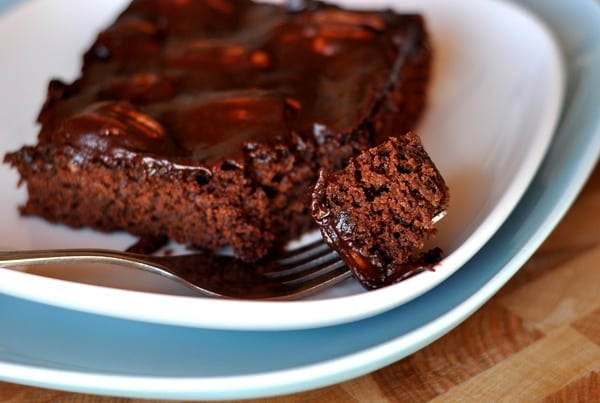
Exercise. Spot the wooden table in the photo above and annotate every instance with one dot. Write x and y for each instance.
(538, 339)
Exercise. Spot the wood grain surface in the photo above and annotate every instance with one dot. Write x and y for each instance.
(537, 340)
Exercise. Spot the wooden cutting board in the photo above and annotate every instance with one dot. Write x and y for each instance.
(538, 339)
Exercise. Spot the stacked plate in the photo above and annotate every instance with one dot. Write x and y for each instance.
(511, 125)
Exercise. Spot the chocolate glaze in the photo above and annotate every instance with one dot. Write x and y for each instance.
(196, 83)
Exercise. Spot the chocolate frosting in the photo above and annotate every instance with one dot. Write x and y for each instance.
(198, 81)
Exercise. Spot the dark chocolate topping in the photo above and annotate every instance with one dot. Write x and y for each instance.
(197, 81)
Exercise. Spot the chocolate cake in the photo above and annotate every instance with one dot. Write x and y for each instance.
(380, 209)
(208, 121)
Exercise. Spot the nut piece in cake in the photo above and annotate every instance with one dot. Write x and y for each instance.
(380, 209)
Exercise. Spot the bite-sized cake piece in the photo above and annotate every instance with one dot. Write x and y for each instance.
(379, 210)
(207, 121)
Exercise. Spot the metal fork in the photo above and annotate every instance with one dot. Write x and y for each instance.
(288, 275)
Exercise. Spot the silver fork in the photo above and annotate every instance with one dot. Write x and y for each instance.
(288, 275)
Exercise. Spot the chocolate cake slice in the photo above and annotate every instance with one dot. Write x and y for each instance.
(379, 211)
(208, 121)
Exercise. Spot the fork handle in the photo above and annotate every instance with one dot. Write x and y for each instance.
(61, 256)
(58, 256)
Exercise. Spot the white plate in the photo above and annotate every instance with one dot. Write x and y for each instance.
(494, 104)
(101, 355)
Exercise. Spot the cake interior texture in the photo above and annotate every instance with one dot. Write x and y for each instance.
(379, 211)
(208, 121)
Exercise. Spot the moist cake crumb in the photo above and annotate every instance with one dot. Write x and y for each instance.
(380, 209)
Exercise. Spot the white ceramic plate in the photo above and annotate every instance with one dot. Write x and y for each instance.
(495, 101)
(102, 355)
